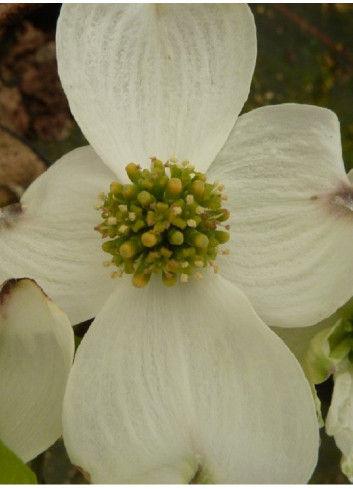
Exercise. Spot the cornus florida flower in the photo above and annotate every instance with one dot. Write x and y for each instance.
(36, 352)
(184, 383)
(156, 87)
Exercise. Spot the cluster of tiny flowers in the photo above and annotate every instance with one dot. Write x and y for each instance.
(166, 221)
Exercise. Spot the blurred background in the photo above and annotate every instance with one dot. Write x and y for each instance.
(305, 55)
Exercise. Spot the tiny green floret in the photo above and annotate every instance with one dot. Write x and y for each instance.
(166, 221)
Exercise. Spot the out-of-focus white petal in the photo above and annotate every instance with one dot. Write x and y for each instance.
(173, 384)
(339, 421)
(291, 217)
(53, 240)
(36, 351)
(159, 80)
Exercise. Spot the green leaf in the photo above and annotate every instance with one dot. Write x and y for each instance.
(13, 470)
(77, 341)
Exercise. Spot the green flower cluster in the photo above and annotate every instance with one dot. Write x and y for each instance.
(165, 221)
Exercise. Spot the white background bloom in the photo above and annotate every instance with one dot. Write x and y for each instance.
(339, 421)
(36, 352)
(325, 350)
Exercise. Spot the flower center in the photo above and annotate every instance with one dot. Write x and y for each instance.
(166, 222)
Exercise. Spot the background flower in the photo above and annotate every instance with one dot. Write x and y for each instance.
(36, 352)
(325, 351)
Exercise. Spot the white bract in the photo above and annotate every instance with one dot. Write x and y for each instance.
(36, 352)
(186, 383)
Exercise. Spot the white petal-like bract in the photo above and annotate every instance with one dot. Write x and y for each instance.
(36, 352)
(160, 80)
(180, 384)
(53, 240)
(291, 219)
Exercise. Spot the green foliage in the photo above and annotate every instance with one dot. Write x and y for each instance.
(77, 341)
(13, 470)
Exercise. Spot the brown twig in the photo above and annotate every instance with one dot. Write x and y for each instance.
(314, 31)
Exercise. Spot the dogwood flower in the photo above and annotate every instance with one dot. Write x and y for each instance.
(36, 353)
(184, 383)
(140, 94)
